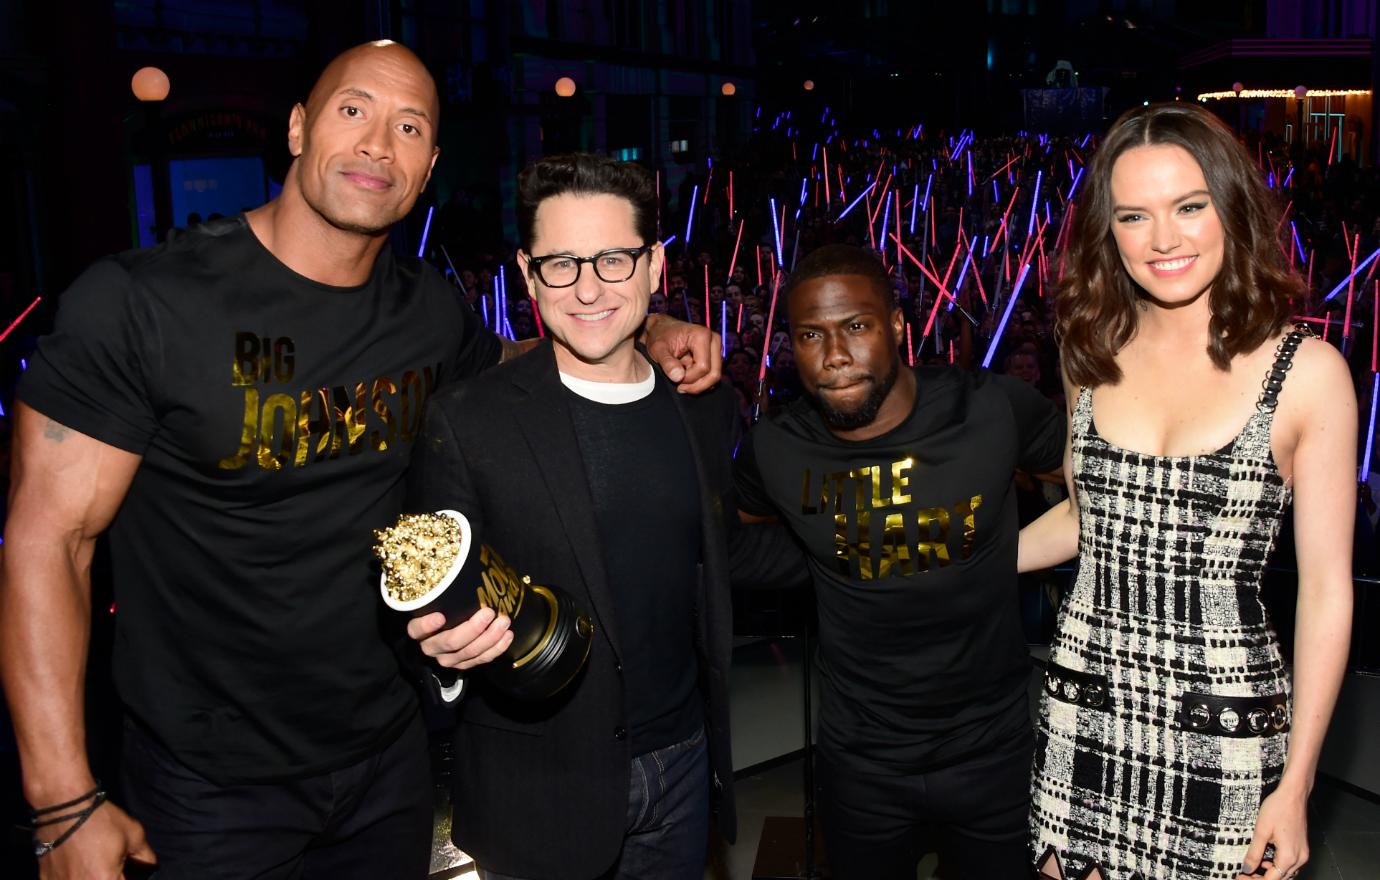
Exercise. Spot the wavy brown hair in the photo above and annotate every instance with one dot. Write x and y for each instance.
(1096, 303)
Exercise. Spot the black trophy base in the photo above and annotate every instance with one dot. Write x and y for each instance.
(549, 648)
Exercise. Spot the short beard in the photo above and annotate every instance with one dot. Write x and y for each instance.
(866, 412)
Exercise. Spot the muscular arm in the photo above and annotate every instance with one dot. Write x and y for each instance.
(65, 489)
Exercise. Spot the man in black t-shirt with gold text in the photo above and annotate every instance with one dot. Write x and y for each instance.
(237, 408)
(897, 481)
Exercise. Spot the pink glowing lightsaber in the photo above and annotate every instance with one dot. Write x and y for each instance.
(933, 279)
(734, 262)
(771, 322)
(22, 315)
(1350, 288)
(943, 286)
(910, 347)
(1375, 327)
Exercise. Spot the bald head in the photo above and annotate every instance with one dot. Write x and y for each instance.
(392, 62)
(365, 142)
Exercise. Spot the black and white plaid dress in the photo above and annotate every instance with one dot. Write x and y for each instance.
(1141, 767)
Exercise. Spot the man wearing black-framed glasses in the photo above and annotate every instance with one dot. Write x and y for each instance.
(590, 473)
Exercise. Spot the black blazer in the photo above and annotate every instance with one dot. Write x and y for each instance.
(541, 789)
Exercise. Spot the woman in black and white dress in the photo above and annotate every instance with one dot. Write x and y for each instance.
(1173, 741)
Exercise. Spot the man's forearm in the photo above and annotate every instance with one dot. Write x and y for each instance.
(45, 628)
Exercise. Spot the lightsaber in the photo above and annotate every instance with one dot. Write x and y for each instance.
(1006, 316)
(854, 203)
(1351, 289)
(1370, 431)
(694, 197)
(886, 216)
(1347, 280)
(734, 262)
(1034, 203)
(1075, 184)
(426, 229)
(914, 206)
(776, 226)
(723, 329)
(22, 315)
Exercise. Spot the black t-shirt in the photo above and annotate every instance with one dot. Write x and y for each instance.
(911, 538)
(647, 506)
(275, 417)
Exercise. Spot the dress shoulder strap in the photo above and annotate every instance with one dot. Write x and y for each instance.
(1284, 359)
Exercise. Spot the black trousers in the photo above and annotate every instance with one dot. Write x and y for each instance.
(877, 826)
(370, 820)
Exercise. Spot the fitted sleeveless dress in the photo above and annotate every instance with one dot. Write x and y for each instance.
(1165, 710)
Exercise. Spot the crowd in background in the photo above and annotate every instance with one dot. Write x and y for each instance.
(972, 211)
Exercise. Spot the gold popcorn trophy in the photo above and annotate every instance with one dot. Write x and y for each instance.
(433, 562)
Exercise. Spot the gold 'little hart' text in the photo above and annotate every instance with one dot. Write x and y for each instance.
(914, 540)
(292, 429)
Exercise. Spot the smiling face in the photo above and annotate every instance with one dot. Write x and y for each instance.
(593, 323)
(1165, 224)
(845, 337)
(366, 140)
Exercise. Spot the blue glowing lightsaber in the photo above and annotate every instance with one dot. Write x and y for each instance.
(776, 238)
(1005, 316)
(914, 205)
(694, 197)
(426, 229)
(1345, 281)
(1075, 184)
(1034, 203)
(1370, 432)
(886, 215)
(854, 203)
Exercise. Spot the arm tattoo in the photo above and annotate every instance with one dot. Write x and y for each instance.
(55, 431)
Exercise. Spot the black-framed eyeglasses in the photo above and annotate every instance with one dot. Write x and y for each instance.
(612, 266)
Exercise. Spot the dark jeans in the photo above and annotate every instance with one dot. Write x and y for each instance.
(370, 820)
(668, 816)
(876, 826)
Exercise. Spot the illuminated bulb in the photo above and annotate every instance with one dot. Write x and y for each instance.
(565, 87)
(150, 84)
(728, 89)
(809, 85)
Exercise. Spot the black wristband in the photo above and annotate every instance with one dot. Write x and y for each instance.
(43, 847)
(34, 814)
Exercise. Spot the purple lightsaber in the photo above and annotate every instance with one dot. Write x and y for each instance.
(1006, 315)
(1370, 432)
